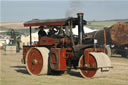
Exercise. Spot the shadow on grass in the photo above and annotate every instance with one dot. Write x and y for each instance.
(17, 66)
(73, 73)
(20, 69)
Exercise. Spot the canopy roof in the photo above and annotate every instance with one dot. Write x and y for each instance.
(51, 22)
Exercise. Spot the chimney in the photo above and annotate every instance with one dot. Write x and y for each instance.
(80, 27)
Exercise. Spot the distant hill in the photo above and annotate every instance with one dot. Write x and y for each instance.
(106, 23)
(17, 26)
(124, 20)
(14, 25)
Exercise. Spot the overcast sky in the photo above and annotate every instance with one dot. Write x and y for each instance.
(24, 10)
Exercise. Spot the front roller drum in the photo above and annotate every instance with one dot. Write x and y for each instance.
(96, 64)
(37, 61)
(91, 63)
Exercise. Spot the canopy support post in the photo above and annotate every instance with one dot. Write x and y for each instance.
(30, 36)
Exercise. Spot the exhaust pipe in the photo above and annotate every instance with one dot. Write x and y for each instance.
(80, 27)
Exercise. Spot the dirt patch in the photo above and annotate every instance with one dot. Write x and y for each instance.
(14, 73)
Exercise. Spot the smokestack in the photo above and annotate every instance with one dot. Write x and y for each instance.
(80, 27)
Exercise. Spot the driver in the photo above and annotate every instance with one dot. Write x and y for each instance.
(41, 33)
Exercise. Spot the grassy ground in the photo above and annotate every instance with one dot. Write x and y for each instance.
(14, 73)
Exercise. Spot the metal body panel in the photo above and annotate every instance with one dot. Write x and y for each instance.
(48, 41)
(60, 55)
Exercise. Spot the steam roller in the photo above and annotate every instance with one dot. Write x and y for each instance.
(61, 51)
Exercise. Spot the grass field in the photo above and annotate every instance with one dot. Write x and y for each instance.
(14, 73)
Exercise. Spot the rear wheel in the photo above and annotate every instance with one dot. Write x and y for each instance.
(53, 63)
(37, 61)
(53, 60)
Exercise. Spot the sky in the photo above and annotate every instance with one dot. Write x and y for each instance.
(24, 10)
